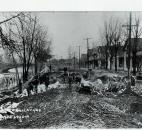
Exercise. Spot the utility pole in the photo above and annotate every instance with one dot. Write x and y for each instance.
(79, 57)
(129, 47)
(129, 27)
(74, 61)
(87, 39)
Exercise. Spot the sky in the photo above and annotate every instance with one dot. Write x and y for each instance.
(70, 29)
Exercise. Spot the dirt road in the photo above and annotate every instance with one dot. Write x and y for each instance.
(64, 108)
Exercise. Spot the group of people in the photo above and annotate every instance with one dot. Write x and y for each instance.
(38, 79)
(71, 77)
(33, 84)
(47, 79)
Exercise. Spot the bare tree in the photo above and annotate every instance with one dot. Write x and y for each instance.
(42, 48)
(137, 32)
(9, 46)
(107, 37)
(113, 39)
(117, 39)
(24, 40)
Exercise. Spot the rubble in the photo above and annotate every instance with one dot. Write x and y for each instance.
(85, 82)
(41, 88)
(73, 103)
(24, 93)
(7, 109)
(104, 83)
(55, 85)
(98, 85)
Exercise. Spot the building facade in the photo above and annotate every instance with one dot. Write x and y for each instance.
(97, 57)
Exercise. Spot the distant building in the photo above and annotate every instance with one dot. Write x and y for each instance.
(97, 57)
(83, 60)
(69, 63)
(138, 47)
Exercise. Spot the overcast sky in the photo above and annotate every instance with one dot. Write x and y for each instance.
(71, 28)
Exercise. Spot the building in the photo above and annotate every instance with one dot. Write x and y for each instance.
(97, 57)
(136, 46)
(83, 60)
(69, 63)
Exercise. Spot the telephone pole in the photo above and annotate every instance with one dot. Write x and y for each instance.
(74, 61)
(87, 40)
(79, 57)
(129, 47)
(129, 27)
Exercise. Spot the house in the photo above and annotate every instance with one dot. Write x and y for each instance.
(101, 57)
(97, 57)
(122, 56)
(136, 45)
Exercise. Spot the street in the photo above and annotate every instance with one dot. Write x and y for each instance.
(65, 108)
(70, 69)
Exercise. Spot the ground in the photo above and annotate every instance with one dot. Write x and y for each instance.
(66, 108)
(63, 108)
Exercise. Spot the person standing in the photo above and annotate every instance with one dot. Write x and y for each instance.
(65, 74)
(29, 89)
(36, 82)
(70, 81)
(20, 86)
(47, 81)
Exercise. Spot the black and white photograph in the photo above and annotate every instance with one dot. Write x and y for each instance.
(70, 69)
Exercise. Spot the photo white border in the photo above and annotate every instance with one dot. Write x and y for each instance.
(70, 5)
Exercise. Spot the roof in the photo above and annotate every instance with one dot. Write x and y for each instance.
(93, 51)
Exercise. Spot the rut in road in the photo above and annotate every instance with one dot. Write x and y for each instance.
(77, 113)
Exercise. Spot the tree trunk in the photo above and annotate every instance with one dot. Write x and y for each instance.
(26, 75)
(24, 62)
(106, 60)
(134, 63)
(111, 62)
(116, 61)
(36, 65)
(17, 73)
(134, 55)
(23, 73)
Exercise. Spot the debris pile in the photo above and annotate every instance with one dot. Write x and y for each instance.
(7, 109)
(41, 88)
(104, 83)
(55, 85)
